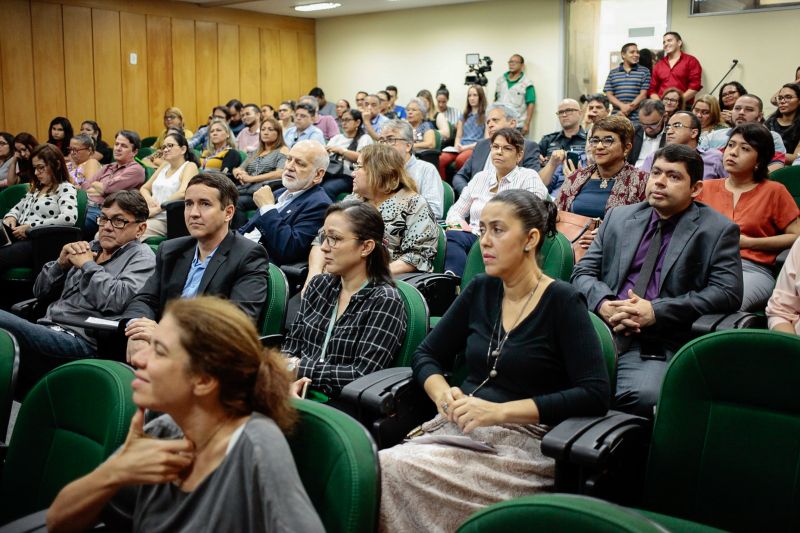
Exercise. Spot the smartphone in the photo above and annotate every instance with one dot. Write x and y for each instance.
(575, 157)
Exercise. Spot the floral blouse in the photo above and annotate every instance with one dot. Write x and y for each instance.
(628, 187)
(55, 208)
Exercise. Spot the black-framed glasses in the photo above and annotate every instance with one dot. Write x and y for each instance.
(671, 100)
(785, 98)
(390, 140)
(607, 142)
(332, 240)
(116, 222)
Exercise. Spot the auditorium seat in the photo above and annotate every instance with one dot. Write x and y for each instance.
(9, 366)
(272, 321)
(790, 178)
(449, 198)
(147, 142)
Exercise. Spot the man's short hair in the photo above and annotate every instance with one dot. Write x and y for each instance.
(680, 153)
(599, 97)
(756, 98)
(521, 59)
(626, 46)
(384, 93)
(316, 92)
(391, 88)
(312, 110)
(695, 122)
(130, 201)
(674, 34)
(228, 195)
(650, 105)
(509, 112)
(236, 104)
(256, 107)
(223, 109)
(402, 127)
(132, 137)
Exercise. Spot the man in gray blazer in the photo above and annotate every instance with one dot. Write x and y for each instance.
(498, 116)
(654, 268)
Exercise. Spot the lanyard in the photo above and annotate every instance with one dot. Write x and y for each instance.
(332, 323)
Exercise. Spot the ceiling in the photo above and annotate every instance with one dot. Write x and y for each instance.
(348, 7)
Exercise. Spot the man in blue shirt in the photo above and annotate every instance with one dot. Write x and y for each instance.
(399, 111)
(304, 128)
(626, 85)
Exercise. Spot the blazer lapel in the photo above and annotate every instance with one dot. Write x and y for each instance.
(633, 230)
(181, 271)
(220, 256)
(686, 227)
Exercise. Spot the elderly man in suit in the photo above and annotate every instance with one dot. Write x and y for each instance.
(654, 268)
(212, 260)
(286, 226)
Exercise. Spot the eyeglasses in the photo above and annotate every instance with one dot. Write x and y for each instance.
(357, 166)
(607, 142)
(3, 143)
(76, 150)
(565, 112)
(332, 240)
(503, 148)
(345, 119)
(675, 126)
(391, 140)
(116, 222)
(651, 124)
(168, 146)
(787, 98)
(671, 100)
(39, 168)
(170, 117)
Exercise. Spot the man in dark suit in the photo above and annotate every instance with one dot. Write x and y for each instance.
(212, 260)
(648, 136)
(287, 226)
(498, 116)
(654, 268)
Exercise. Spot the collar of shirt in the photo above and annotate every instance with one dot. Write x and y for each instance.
(411, 163)
(196, 272)
(375, 120)
(95, 247)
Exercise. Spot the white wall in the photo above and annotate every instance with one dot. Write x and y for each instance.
(421, 48)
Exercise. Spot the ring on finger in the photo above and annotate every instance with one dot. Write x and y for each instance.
(444, 407)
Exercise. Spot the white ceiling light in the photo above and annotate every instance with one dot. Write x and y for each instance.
(320, 6)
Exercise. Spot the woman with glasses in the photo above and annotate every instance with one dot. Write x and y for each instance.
(532, 360)
(286, 114)
(341, 107)
(506, 151)
(51, 201)
(728, 94)
(173, 119)
(7, 159)
(785, 121)
(80, 163)
(469, 130)
(706, 109)
(102, 151)
(352, 320)
(344, 149)
(673, 101)
(264, 164)
(60, 133)
(168, 183)
(424, 137)
(220, 153)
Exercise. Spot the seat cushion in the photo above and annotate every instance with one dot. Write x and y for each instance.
(678, 524)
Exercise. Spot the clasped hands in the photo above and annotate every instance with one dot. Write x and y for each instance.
(628, 316)
(75, 254)
(468, 412)
(139, 332)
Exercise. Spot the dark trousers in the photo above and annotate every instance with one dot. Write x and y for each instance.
(639, 381)
(17, 254)
(458, 246)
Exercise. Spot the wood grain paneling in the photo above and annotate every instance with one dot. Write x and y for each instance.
(206, 56)
(159, 70)
(249, 65)
(307, 52)
(48, 66)
(228, 62)
(108, 71)
(78, 62)
(271, 78)
(183, 71)
(135, 107)
(290, 68)
(17, 66)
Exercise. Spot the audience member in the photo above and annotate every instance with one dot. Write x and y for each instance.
(212, 260)
(507, 149)
(341, 107)
(265, 164)
(510, 397)
(626, 85)
(200, 138)
(325, 108)
(571, 139)
(288, 220)
(399, 111)
(785, 121)
(648, 136)
(410, 233)
(220, 153)
(373, 119)
(469, 130)
(774, 99)
(235, 108)
(442, 99)
(173, 119)
(728, 94)
(8, 162)
(437, 118)
(498, 116)
(286, 114)
(326, 123)
(247, 140)
(417, 112)
(343, 150)
(597, 107)
(676, 69)
(217, 459)
(706, 108)
(267, 111)
(673, 101)
(684, 128)
(783, 309)
(169, 182)
(352, 320)
(102, 151)
(60, 133)
(386, 110)
(646, 59)
(50, 201)
(95, 279)
(24, 143)
(766, 213)
(361, 100)
(80, 163)
(654, 268)
(400, 135)
(303, 128)
(516, 89)
(124, 173)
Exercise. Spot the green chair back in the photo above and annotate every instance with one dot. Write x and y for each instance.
(144, 151)
(473, 266)
(726, 439)
(608, 347)
(558, 513)
(341, 196)
(69, 423)
(449, 198)
(790, 178)
(438, 140)
(11, 195)
(242, 154)
(83, 202)
(417, 322)
(155, 241)
(9, 364)
(277, 300)
(441, 250)
(147, 142)
(338, 464)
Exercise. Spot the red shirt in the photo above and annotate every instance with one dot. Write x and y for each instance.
(684, 75)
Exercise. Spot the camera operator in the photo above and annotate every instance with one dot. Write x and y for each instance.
(516, 89)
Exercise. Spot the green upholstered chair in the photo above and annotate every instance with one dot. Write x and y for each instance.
(69, 423)
(144, 151)
(11, 195)
(449, 198)
(338, 464)
(417, 322)
(277, 300)
(437, 140)
(147, 142)
(242, 154)
(608, 347)
(9, 365)
(558, 513)
(341, 196)
(441, 251)
(790, 178)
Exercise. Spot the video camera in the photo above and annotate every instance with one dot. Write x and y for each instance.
(477, 70)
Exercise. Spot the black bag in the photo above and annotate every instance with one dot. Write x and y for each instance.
(439, 290)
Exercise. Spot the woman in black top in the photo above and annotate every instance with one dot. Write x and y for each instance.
(102, 151)
(60, 134)
(533, 359)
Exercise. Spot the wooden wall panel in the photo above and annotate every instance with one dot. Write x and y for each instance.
(133, 38)
(290, 71)
(183, 72)
(78, 62)
(307, 52)
(159, 70)
(206, 57)
(228, 62)
(108, 71)
(2, 105)
(17, 66)
(249, 65)
(48, 66)
(271, 77)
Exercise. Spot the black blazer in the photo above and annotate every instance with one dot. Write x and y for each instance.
(638, 140)
(237, 271)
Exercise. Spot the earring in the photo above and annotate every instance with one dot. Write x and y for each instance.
(527, 249)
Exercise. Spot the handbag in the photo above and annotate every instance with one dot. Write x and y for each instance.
(573, 226)
(336, 164)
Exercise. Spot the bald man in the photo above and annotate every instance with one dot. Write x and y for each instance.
(571, 138)
(286, 226)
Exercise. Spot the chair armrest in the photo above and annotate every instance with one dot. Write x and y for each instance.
(33, 522)
(296, 269)
(25, 308)
(721, 322)
(272, 341)
(176, 224)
